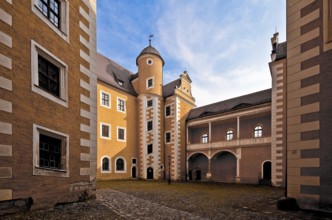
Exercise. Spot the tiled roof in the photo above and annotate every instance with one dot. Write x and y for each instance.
(168, 89)
(115, 75)
(150, 50)
(241, 102)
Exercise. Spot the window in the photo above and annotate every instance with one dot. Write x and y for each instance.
(55, 13)
(229, 135)
(149, 126)
(149, 103)
(105, 131)
(149, 148)
(167, 110)
(133, 161)
(258, 132)
(120, 165)
(105, 164)
(50, 156)
(149, 83)
(121, 134)
(149, 61)
(49, 75)
(121, 105)
(51, 10)
(168, 137)
(120, 82)
(105, 99)
(205, 138)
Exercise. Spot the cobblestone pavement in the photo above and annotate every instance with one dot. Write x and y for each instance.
(130, 207)
(145, 204)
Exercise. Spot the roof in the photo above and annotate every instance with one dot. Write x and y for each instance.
(240, 102)
(281, 50)
(150, 50)
(115, 75)
(168, 89)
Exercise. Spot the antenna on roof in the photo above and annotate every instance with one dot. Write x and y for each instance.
(150, 36)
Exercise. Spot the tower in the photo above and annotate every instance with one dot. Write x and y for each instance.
(148, 83)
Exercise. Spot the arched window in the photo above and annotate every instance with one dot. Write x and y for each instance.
(229, 135)
(106, 164)
(120, 164)
(205, 138)
(258, 132)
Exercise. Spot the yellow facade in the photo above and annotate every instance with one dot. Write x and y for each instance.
(112, 147)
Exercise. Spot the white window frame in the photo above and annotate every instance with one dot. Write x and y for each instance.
(170, 137)
(63, 32)
(227, 134)
(147, 83)
(203, 139)
(38, 50)
(109, 131)
(170, 113)
(117, 134)
(109, 164)
(37, 170)
(101, 99)
(256, 133)
(124, 164)
(124, 105)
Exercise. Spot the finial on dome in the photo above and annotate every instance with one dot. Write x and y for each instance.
(150, 36)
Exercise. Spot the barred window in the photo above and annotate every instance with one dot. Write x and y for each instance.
(121, 134)
(168, 111)
(149, 103)
(149, 126)
(105, 131)
(149, 148)
(49, 152)
(48, 76)
(168, 137)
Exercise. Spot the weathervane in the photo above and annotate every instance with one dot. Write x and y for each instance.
(150, 36)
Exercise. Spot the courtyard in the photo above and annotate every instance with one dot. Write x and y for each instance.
(137, 199)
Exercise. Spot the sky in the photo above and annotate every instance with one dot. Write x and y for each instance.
(224, 45)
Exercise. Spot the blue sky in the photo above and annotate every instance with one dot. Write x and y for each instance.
(223, 44)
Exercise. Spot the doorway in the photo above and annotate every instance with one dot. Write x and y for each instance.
(150, 173)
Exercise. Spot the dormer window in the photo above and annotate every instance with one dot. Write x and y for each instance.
(120, 82)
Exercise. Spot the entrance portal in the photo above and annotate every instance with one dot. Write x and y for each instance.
(267, 170)
(133, 172)
(150, 173)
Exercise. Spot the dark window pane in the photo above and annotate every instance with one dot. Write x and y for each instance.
(49, 152)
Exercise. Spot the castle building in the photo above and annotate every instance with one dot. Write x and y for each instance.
(141, 131)
(48, 113)
(303, 117)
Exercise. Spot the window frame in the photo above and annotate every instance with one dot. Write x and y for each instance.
(229, 134)
(109, 131)
(109, 164)
(147, 83)
(258, 131)
(124, 165)
(204, 138)
(124, 134)
(118, 100)
(149, 148)
(101, 99)
(167, 141)
(149, 101)
(44, 171)
(38, 50)
(63, 30)
(147, 125)
(170, 111)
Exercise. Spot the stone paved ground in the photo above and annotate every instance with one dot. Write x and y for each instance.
(158, 200)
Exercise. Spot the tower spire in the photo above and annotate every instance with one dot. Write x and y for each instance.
(150, 37)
